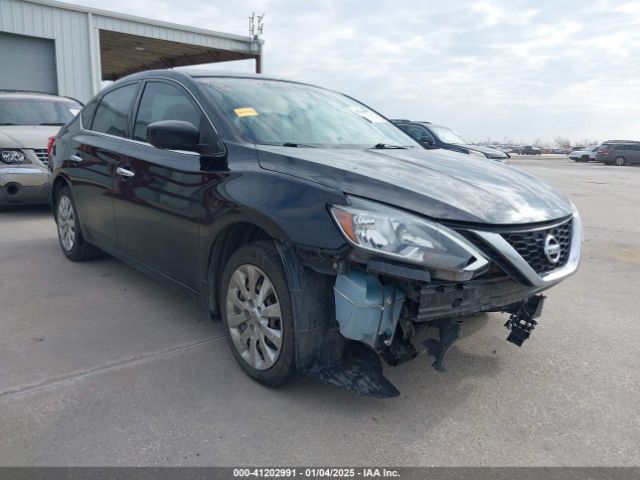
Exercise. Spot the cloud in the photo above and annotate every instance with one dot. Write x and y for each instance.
(489, 68)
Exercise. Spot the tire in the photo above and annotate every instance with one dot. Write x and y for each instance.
(253, 281)
(585, 159)
(619, 161)
(72, 243)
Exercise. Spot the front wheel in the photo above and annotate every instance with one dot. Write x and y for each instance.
(257, 314)
(73, 244)
(620, 161)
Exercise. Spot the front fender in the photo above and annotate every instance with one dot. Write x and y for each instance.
(289, 209)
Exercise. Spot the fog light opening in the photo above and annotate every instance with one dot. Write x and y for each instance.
(13, 189)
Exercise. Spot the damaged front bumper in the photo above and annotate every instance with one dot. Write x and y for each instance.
(379, 306)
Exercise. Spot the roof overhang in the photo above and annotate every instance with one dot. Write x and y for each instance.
(122, 54)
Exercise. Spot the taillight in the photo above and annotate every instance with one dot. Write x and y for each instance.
(50, 146)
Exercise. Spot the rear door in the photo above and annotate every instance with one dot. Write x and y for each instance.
(634, 154)
(93, 154)
(159, 193)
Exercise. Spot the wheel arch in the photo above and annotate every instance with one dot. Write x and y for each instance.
(58, 183)
(232, 233)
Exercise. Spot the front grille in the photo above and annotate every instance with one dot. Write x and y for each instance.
(530, 246)
(42, 155)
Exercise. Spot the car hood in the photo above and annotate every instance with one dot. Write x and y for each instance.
(437, 183)
(26, 136)
(492, 152)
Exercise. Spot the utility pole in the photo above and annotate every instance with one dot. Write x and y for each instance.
(256, 27)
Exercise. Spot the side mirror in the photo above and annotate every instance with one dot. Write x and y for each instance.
(426, 140)
(174, 135)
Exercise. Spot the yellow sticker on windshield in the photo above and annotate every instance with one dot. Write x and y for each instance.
(245, 112)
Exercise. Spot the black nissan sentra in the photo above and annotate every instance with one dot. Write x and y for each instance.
(323, 237)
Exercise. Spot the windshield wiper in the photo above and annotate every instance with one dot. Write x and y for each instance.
(53, 124)
(291, 144)
(382, 146)
(8, 123)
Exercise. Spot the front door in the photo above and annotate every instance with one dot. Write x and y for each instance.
(159, 193)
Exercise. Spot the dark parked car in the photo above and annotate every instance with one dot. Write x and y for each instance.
(436, 136)
(322, 235)
(530, 150)
(516, 149)
(619, 153)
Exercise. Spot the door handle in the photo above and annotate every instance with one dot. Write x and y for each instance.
(124, 172)
(76, 158)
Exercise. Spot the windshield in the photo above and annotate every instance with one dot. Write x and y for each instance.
(283, 113)
(447, 135)
(31, 111)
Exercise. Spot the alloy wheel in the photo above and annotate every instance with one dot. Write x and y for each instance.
(254, 317)
(620, 161)
(66, 223)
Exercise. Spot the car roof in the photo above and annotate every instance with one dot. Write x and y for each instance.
(194, 73)
(402, 120)
(33, 94)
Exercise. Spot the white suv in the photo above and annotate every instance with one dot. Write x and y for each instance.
(27, 120)
(586, 154)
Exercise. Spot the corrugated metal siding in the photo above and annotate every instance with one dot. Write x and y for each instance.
(67, 28)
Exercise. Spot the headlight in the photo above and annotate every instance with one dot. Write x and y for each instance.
(12, 156)
(392, 233)
(477, 153)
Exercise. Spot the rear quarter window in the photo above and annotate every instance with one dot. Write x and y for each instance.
(87, 113)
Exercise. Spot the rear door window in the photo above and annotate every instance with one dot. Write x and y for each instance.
(112, 113)
(163, 101)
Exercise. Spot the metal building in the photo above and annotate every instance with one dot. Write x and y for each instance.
(56, 47)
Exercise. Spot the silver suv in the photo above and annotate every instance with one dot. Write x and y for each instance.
(27, 120)
(585, 154)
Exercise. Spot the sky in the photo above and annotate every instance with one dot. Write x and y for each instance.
(516, 70)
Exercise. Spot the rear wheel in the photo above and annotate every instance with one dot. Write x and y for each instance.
(73, 244)
(257, 314)
(620, 161)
